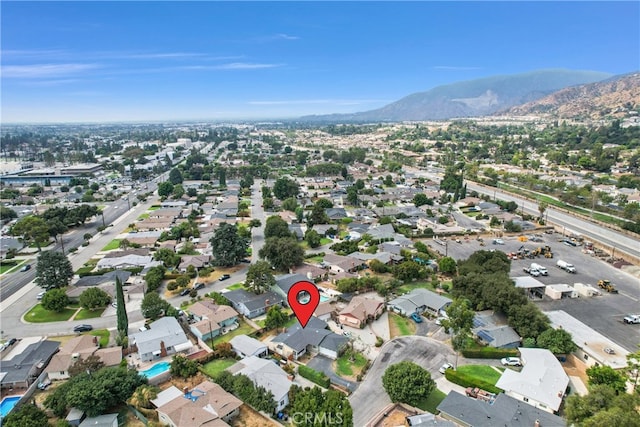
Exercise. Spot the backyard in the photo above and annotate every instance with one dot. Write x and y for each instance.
(243, 329)
(216, 366)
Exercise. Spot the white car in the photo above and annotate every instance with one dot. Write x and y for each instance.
(498, 242)
(511, 361)
(444, 368)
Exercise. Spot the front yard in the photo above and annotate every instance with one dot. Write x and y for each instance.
(431, 403)
(350, 364)
(39, 315)
(114, 244)
(481, 372)
(399, 326)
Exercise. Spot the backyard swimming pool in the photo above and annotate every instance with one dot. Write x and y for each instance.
(156, 369)
(7, 404)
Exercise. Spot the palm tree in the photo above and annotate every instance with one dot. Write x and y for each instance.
(142, 396)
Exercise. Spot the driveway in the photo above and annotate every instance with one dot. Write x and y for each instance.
(323, 364)
(370, 396)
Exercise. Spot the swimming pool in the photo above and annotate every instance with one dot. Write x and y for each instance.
(7, 404)
(156, 369)
(324, 298)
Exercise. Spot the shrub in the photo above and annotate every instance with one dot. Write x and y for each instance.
(379, 341)
(489, 353)
(172, 285)
(312, 375)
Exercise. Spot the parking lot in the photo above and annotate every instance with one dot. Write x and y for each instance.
(602, 313)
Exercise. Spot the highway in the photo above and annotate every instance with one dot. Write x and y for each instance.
(617, 241)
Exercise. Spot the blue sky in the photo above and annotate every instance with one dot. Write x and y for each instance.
(130, 61)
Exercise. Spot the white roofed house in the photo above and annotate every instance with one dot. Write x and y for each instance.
(419, 300)
(245, 346)
(265, 373)
(541, 383)
(165, 337)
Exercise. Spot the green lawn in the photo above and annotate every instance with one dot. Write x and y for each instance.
(114, 244)
(431, 403)
(408, 287)
(346, 367)
(7, 268)
(481, 372)
(103, 334)
(39, 315)
(216, 366)
(315, 259)
(401, 325)
(325, 241)
(89, 314)
(143, 216)
(244, 329)
(235, 286)
(154, 208)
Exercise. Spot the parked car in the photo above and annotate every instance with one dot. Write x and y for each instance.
(416, 317)
(40, 295)
(498, 242)
(511, 361)
(224, 277)
(444, 367)
(439, 321)
(185, 292)
(83, 328)
(198, 286)
(26, 267)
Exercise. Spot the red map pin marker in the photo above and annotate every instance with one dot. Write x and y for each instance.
(303, 298)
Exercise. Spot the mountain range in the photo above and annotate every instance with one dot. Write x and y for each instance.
(472, 98)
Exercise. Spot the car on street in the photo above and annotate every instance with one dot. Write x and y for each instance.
(416, 317)
(498, 242)
(444, 368)
(224, 277)
(83, 328)
(40, 295)
(198, 286)
(26, 267)
(185, 292)
(511, 361)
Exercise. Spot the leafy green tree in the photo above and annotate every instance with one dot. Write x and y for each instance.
(276, 227)
(165, 189)
(154, 277)
(352, 196)
(153, 306)
(27, 415)
(222, 177)
(91, 363)
(312, 238)
(32, 229)
(284, 188)
(407, 382)
(53, 270)
(227, 247)
(178, 191)
(282, 252)
(557, 341)
(330, 407)
(255, 223)
(447, 265)
(168, 257)
(183, 367)
(93, 298)
(121, 312)
(408, 270)
(175, 176)
(7, 214)
(55, 300)
(318, 215)
(606, 375)
(260, 277)
(219, 298)
(290, 204)
(421, 199)
(275, 318)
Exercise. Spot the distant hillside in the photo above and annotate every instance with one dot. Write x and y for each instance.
(471, 98)
(614, 97)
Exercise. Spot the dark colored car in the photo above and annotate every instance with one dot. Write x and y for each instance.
(185, 292)
(83, 328)
(224, 277)
(26, 267)
(12, 341)
(198, 286)
(245, 261)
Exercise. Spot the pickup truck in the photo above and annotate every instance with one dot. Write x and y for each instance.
(531, 271)
(632, 319)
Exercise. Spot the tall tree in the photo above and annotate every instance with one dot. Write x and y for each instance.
(32, 229)
(153, 306)
(260, 277)
(557, 341)
(93, 298)
(55, 300)
(282, 252)
(276, 227)
(284, 188)
(53, 270)
(227, 247)
(175, 176)
(27, 415)
(222, 177)
(121, 311)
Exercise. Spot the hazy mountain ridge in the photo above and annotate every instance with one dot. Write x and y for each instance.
(613, 97)
(471, 98)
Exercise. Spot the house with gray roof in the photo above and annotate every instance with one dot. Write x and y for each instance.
(245, 346)
(251, 305)
(504, 411)
(21, 370)
(109, 277)
(265, 373)
(106, 420)
(494, 331)
(335, 213)
(165, 337)
(419, 300)
(286, 281)
(297, 341)
(541, 383)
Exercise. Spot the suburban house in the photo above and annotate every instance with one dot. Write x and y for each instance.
(22, 369)
(123, 259)
(109, 278)
(106, 420)
(211, 319)
(311, 273)
(286, 281)
(504, 410)
(251, 305)
(541, 383)
(245, 346)
(493, 331)
(206, 405)
(265, 373)
(341, 264)
(591, 344)
(165, 337)
(419, 300)
(360, 311)
(297, 341)
(324, 311)
(77, 348)
(198, 261)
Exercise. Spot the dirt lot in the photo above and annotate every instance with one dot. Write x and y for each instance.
(250, 418)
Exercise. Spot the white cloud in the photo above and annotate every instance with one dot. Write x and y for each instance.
(35, 71)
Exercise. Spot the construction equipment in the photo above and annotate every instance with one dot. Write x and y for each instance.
(607, 286)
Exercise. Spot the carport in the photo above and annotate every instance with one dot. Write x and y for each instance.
(534, 288)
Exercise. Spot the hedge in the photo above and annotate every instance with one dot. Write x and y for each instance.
(8, 262)
(465, 380)
(489, 353)
(312, 375)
